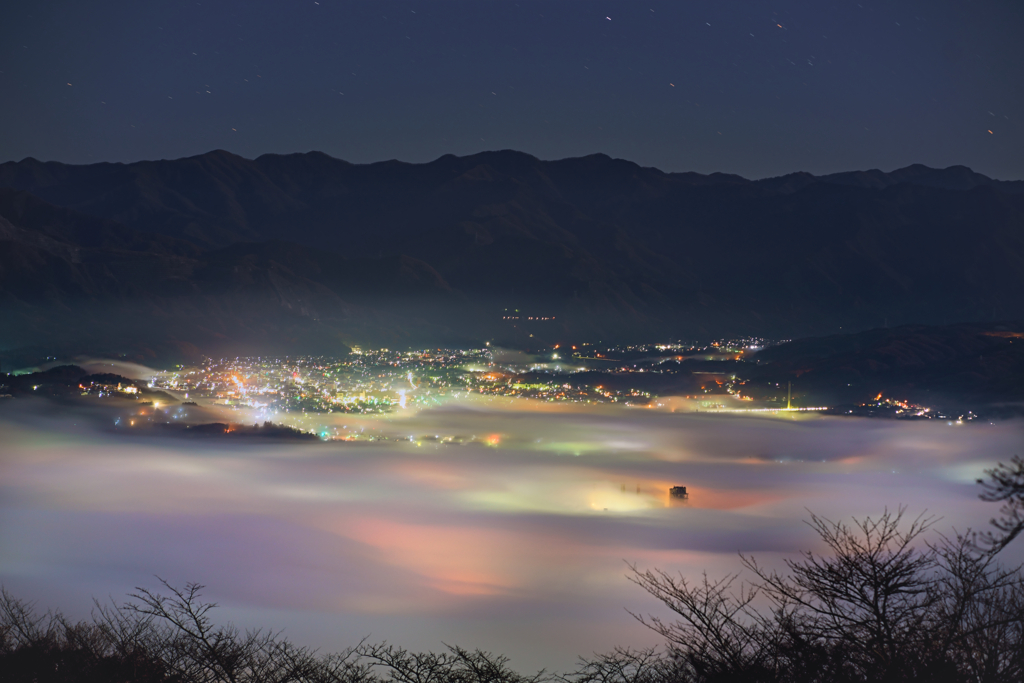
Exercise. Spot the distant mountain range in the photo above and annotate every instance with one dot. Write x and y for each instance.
(306, 252)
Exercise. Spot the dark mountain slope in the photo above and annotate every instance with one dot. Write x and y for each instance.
(83, 230)
(71, 282)
(611, 248)
(957, 365)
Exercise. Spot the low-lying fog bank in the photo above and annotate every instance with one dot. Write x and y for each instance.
(515, 541)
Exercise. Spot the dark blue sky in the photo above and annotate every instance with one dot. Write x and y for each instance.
(750, 87)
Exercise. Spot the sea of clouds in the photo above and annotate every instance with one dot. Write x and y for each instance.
(517, 541)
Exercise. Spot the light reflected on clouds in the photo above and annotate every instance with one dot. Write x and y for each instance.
(490, 544)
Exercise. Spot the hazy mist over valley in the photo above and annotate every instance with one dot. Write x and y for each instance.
(423, 541)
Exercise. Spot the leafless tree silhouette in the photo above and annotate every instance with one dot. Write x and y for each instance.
(882, 604)
(1005, 484)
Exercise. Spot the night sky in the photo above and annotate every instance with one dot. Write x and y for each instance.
(751, 87)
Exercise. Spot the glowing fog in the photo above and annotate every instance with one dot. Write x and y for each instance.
(516, 542)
